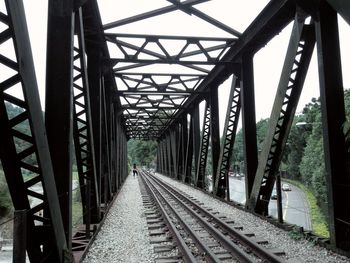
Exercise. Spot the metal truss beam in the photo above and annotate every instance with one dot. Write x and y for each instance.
(221, 183)
(301, 45)
(193, 11)
(214, 131)
(45, 230)
(105, 137)
(183, 137)
(248, 122)
(147, 83)
(203, 152)
(163, 55)
(202, 54)
(58, 107)
(174, 136)
(333, 116)
(272, 19)
(169, 155)
(342, 7)
(82, 131)
(150, 14)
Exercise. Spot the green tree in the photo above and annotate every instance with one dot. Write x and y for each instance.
(238, 155)
(5, 199)
(294, 149)
(143, 153)
(346, 126)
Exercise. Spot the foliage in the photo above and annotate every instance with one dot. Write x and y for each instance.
(143, 153)
(346, 125)
(238, 154)
(5, 199)
(261, 130)
(294, 149)
(296, 234)
(312, 167)
(77, 211)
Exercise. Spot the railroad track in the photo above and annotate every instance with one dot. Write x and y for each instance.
(187, 232)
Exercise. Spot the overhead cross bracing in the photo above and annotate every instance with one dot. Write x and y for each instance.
(156, 74)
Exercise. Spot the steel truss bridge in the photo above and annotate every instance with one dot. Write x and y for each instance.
(99, 100)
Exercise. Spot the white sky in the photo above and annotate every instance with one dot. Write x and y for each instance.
(236, 13)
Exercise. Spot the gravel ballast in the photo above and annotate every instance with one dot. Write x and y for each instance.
(297, 251)
(124, 237)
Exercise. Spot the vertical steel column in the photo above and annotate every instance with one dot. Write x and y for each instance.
(168, 151)
(248, 122)
(94, 77)
(173, 143)
(119, 152)
(124, 157)
(221, 183)
(157, 156)
(165, 163)
(82, 128)
(178, 150)
(19, 236)
(182, 147)
(125, 154)
(189, 155)
(59, 98)
(301, 45)
(112, 150)
(333, 117)
(161, 156)
(105, 158)
(215, 132)
(203, 152)
(158, 163)
(196, 137)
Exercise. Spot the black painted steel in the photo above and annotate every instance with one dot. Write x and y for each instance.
(295, 67)
(204, 146)
(58, 103)
(221, 186)
(82, 130)
(333, 116)
(114, 101)
(214, 131)
(27, 128)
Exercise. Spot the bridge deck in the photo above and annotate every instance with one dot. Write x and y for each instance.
(124, 236)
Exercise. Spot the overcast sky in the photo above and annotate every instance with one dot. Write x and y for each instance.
(238, 14)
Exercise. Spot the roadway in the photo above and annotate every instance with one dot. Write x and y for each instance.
(294, 203)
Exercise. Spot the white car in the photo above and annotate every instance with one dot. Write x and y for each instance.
(286, 187)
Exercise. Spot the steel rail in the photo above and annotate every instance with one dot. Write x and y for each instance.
(208, 252)
(187, 254)
(257, 249)
(232, 248)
